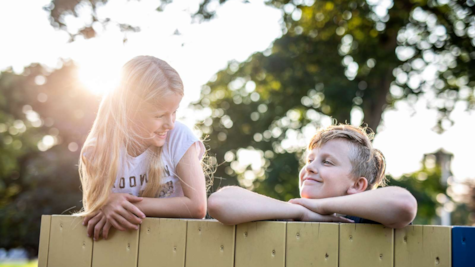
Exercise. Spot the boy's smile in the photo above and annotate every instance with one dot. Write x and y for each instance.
(328, 171)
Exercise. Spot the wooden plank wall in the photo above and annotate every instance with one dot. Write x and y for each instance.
(199, 243)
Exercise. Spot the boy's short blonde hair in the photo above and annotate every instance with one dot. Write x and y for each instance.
(366, 161)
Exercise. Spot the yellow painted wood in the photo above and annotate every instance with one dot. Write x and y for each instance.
(69, 244)
(44, 240)
(312, 244)
(209, 243)
(162, 242)
(260, 244)
(119, 250)
(423, 246)
(366, 245)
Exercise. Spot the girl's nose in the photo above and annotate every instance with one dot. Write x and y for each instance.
(169, 123)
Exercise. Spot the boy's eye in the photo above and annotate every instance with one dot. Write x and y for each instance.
(326, 162)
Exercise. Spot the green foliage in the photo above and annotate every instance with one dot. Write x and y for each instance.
(425, 186)
(39, 108)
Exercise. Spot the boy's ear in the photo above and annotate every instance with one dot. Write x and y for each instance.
(358, 186)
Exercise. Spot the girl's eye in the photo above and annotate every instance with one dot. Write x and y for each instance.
(327, 162)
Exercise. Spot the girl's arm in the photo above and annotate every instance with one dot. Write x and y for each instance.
(235, 205)
(121, 211)
(394, 207)
(193, 203)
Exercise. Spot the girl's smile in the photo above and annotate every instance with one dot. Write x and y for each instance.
(156, 119)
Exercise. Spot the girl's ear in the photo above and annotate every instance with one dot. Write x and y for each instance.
(358, 186)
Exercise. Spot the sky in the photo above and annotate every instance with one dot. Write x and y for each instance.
(201, 50)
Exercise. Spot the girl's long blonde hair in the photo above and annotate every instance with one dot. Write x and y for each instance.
(144, 79)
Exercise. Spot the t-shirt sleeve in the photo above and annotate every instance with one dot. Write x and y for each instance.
(180, 140)
(361, 220)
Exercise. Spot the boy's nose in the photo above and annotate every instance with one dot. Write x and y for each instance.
(311, 168)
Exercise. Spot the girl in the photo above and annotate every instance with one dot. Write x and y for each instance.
(137, 161)
(341, 169)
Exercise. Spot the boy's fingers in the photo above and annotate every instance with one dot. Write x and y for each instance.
(302, 202)
(343, 219)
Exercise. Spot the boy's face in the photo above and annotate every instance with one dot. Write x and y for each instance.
(327, 172)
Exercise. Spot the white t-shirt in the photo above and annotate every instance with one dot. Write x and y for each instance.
(132, 175)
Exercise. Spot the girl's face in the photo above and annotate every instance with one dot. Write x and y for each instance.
(327, 172)
(157, 118)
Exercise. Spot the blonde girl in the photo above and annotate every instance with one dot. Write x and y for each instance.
(138, 161)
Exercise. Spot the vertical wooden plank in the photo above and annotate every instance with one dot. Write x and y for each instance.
(312, 244)
(437, 245)
(162, 242)
(423, 246)
(119, 250)
(209, 243)
(463, 246)
(366, 245)
(69, 244)
(260, 244)
(408, 246)
(44, 240)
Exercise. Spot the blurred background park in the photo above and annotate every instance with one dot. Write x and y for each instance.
(260, 77)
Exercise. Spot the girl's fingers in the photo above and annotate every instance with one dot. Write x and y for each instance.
(88, 218)
(105, 230)
(98, 228)
(92, 223)
(132, 198)
(134, 210)
(126, 224)
(116, 225)
(129, 216)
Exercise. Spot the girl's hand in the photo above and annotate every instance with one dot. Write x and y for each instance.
(310, 216)
(121, 213)
(97, 224)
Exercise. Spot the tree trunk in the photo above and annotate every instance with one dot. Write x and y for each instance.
(373, 108)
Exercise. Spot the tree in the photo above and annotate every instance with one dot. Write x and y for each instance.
(334, 57)
(45, 116)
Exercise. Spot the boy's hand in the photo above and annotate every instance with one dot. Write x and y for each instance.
(315, 205)
(310, 216)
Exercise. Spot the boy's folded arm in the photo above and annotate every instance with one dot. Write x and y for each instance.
(235, 205)
(393, 207)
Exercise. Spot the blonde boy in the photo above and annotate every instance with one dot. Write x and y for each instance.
(341, 171)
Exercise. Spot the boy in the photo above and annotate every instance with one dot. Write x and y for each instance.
(341, 169)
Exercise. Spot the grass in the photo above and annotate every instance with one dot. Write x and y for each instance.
(20, 264)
